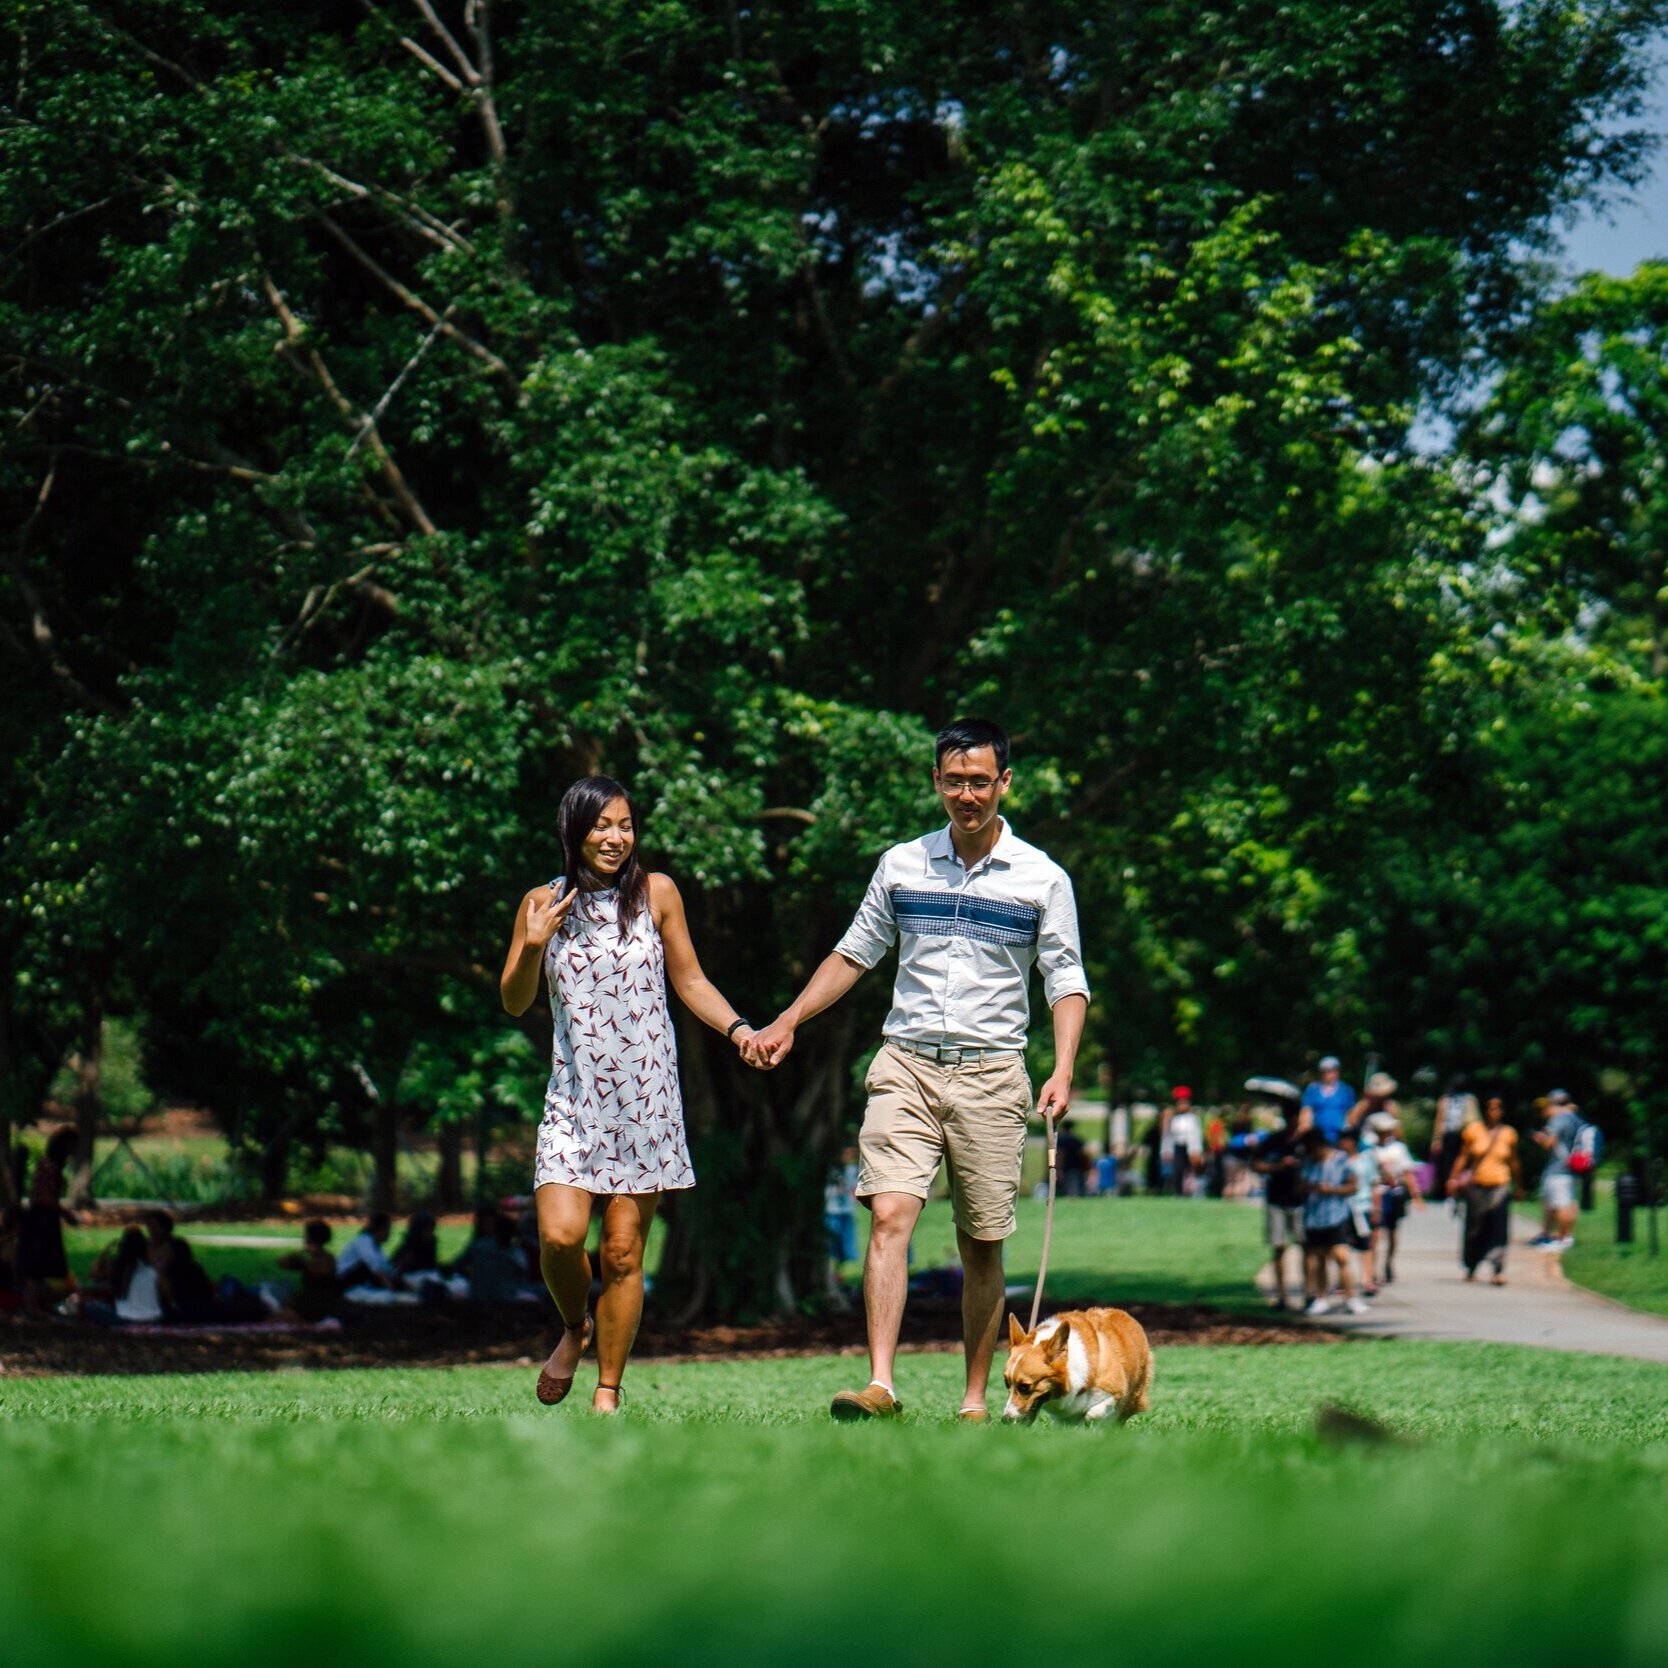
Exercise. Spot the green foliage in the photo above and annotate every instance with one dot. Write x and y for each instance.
(408, 412)
(122, 1087)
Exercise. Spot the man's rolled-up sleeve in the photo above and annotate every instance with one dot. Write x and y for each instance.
(1059, 953)
(874, 929)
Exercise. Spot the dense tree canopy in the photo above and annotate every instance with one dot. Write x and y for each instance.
(410, 407)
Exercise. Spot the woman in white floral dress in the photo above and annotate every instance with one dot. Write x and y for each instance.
(607, 937)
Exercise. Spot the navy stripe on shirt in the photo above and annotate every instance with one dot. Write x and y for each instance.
(956, 915)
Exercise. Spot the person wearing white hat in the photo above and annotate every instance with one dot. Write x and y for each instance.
(1401, 1184)
(1375, 1100)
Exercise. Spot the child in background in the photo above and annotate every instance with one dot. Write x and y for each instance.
(1328, 1187)
(320, 1292)
(1365, 1203)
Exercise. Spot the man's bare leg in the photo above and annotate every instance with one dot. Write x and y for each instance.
(886, 1277)
(1277, 1262)
(981, 1310)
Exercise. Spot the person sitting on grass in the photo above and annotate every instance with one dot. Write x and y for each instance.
(1328, 1185)
(129, 1289)
(363, 1262)
(187, 1292)
(491, 1262)
(319, 1293)
(417, 1260)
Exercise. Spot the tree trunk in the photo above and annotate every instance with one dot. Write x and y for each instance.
(89, 1101)
(273, 1166)
(749, 1241)
(483, 1151)
(385, 1149)
(448, 1183)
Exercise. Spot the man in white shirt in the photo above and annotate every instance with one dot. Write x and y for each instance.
(971, 908)
(363, 1262)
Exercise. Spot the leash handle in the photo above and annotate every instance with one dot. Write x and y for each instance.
(1048, 1217)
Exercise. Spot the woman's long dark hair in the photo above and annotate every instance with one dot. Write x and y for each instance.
(581, 806)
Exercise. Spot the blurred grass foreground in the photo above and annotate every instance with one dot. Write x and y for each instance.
(1517, 1504)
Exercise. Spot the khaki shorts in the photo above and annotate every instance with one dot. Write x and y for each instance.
(971, 1116)
(1284, 1224)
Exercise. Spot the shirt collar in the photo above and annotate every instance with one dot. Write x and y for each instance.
(941, 848)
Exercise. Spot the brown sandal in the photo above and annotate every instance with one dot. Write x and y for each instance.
(550, 1389)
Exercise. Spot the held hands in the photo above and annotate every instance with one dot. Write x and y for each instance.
(767, 1049)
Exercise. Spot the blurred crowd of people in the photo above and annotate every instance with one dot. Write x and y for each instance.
(150, 1274)
(1336, 1170)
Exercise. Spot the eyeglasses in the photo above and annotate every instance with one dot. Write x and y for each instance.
(976, 785)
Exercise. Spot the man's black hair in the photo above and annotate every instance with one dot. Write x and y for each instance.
(964, 734)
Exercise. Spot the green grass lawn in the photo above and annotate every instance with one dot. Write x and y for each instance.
(442, 1518)
(1628, 1273)
(1158, 1250)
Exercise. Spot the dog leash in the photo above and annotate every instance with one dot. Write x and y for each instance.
(1048, 1225)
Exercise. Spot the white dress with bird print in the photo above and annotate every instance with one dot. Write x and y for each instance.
(613, 1116)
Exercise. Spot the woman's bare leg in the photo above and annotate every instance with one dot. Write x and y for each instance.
(625, 1232)
(564, 1222)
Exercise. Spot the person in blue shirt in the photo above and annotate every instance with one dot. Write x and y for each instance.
(1558, 1137)
(1327, 1233)
(1331, 1100)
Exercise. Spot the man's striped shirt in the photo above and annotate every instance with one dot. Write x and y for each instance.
(967, 939)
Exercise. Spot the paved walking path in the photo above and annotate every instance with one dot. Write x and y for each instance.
(1431, 1298)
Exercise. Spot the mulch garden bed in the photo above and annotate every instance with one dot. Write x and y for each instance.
(472, 1334)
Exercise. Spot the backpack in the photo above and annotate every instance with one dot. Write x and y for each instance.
(1587, 1149)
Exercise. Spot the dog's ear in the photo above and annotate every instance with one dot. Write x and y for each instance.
(1016, 1332)
(1058, 1341)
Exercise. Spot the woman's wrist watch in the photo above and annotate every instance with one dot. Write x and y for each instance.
(735, 1025)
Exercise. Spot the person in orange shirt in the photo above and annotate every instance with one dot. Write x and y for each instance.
(1490, 1167)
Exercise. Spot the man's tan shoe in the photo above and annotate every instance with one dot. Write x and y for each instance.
(973, 1415)
(873, 1402)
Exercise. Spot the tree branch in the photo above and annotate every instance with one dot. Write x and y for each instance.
(296, 344)
(57, 221)
(449, 41)
(40, 626)
(393, 387)
(477, 15)
(415, 48)
(408, 298)
(414, 215)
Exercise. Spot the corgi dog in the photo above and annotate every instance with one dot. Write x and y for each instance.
(1088, 1364)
